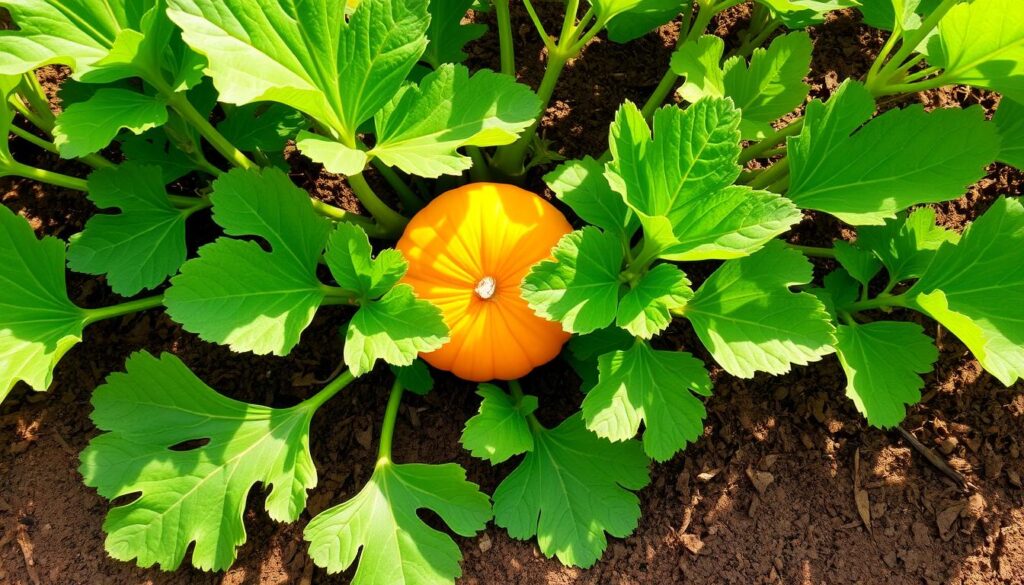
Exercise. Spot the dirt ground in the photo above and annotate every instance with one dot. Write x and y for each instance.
(767, 496)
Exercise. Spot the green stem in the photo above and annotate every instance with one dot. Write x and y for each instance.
(922, 74)
(179, 102)
(479, 172)
(32, 138)
(391, 222)
(338, 214)
(387, 429)
(517, 395)
(770, 176)
(569, 29)
(539, 26)
(38, 100)
(29, 114)
(757, 40)
(700, 24)
(882, 301)
(508, 56)
(336, 385)
(50, 177)
(909, 44)
(813, 251)
(103, 313)
(410, 200)
(660, 93)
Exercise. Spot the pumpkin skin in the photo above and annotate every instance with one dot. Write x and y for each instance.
(479, 241)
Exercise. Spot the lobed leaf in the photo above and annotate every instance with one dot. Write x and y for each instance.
(381, 527)
(38, 323)
(183, 493)
(500, 429)
(883, 361)
(750, 321)
(803, 13)
(1009, 121)
(771, 85)
(350, 259)
(658, 388)
(448, 36)
(571, 490)
(975, 288)
(581, 185)
(865, 171)
(141, 246)
(907, 244)
(645, 310)
(86, 127)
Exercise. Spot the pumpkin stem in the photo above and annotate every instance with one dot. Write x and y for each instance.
(486, 288)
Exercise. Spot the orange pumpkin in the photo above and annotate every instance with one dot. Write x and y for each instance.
(468, 251)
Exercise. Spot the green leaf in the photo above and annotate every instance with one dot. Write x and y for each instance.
(680, 183)
(415, 377)
(87, 127)
(655, 387)
(907, 244)
(141, 246)
(380, 525)
(581, 185)
(195, 494)
(500, 430)
(796, 14)
(306, 54)
(154, 149)
(421, 131)
(772, 85)
(259, 127)
(350, 259)
(644, 311)
(649, 15)
(100, 41)
(883, 362)
(1009, 120)
(859, 263)
(448, 36)
(863, 173)
(981, 43)
(902, 15)
(699, 62)
(396, 329)
(8, 83)
(235, 292)
(750, 321)
(335, 156)
(975, 288)
(607, 10)
(38, 323)
(840, 291)
(572, 489)
(584, 351)
(579, 288)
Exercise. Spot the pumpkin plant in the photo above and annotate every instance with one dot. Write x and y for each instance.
(682, 224)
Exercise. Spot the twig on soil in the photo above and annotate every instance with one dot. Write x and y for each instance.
(935, 460)
(64, 444)
(26, 551)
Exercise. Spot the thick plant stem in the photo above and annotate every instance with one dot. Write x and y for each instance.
(517, 395)
(179, 102)
(769, 177)
(336, 385)
(813, 251)
(103, 313)
(33, 139)
(660, 93)
(391, 222)
(410, 200)
(508, 56)
(768, 143)
(50, 177)
(387, 429)
(37, 99)
(882, 301)
(509, 159)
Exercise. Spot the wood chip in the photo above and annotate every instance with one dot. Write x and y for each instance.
(485, 543)
(860, 495)
(692, 543)
(760, 479)
(26, 551)
(946, 519)
(709, 475)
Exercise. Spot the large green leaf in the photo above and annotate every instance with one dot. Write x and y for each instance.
(141, 246)
(570, 490)
(183, 493)
(750, 321)
(865, 171)
(86, 127)
(38, 323)
(975, 288)
(657, 388)
(100, 41)
(803, 13)
(645, 310)
(581, 287)
(1009, 120)
(500, 429)
(448, 36)
(907, 244)
(305, 54)
(421, 131)
(259, 127)
(381, 526)
(771, 85)
(581, 185)
(883, 362)
(645, 17)
(239, 294)
(8, 83)
(699, 63)
(680, 183)
(981, 43)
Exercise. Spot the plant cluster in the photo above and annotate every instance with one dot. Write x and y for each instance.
(214, 90)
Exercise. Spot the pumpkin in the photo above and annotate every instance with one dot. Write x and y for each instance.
(468, 251)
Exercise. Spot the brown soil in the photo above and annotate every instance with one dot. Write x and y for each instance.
(767, 496)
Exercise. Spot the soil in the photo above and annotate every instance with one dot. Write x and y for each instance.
(769, 495)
